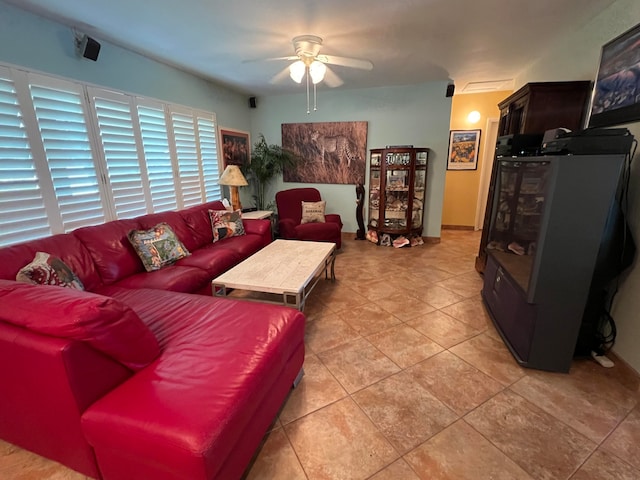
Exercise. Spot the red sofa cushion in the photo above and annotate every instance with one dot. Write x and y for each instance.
(65, 246)
(175, 221)
(103, 322)
(111, 250)
(175, 278)
(199, 224)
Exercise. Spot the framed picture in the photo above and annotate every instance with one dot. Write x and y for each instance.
(616, 95)
(236, 147)
(333, 152)
(463, 149)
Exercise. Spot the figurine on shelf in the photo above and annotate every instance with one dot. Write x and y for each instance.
(360, 234)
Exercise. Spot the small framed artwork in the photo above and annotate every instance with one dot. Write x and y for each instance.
(236, 147)
(463, 149)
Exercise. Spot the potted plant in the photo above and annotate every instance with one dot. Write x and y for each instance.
(267, 161)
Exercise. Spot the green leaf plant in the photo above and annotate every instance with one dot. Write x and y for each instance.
(267, 161)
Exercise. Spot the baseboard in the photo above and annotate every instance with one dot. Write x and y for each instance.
(618, 359)
(427, 240)
(457, 227)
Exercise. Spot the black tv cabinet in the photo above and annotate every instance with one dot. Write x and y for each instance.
(547, 224)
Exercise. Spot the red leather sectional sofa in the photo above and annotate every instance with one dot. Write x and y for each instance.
(136, 377)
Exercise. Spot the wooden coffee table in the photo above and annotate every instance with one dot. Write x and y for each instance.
(288, 268)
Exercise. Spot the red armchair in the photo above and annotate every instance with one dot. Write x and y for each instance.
(289, 203)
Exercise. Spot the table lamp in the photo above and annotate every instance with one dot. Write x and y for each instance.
(233, 178)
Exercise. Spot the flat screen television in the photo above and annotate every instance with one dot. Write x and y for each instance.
(616, 94)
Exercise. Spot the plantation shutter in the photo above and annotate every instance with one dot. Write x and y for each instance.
(63, 129)
(187, 157)
(208, 153)
(155, 143)
(72, 155)
(117, 138)
(22, 211)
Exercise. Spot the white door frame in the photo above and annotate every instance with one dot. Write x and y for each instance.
(485, 170)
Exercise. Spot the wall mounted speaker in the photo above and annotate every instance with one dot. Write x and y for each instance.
(253, 103)
(89, 48)
(451, 88)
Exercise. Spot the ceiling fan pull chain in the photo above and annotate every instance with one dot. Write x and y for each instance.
(315, 99)
(307, 75)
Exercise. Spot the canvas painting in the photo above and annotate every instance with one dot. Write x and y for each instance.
(331, 152)
(236, 147)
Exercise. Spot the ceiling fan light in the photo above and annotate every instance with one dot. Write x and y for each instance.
(317, 70)
(296, 71)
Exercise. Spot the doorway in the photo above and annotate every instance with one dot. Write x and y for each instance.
(485, 170)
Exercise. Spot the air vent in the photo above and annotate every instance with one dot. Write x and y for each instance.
(490, 86)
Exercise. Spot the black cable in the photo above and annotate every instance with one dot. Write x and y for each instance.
(606, 342)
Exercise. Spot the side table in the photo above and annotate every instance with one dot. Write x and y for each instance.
(257, 214)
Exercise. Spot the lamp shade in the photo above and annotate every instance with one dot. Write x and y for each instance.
(317, 70)
(232, 176)
(296, 71)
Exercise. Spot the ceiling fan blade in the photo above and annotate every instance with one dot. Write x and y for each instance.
(331, 79)
(280, 77)
(346, 62)
(273, 59)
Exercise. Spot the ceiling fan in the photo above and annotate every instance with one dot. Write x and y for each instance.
(310, 64)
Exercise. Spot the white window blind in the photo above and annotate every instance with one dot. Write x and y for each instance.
(187, 156)
(117, 137)
(208, 152)
(73, 155)
(153, 130)
(63, 129)
(22, 208)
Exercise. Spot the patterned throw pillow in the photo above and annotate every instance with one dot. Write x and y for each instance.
(313, 212)
(226, 224)
(48, 270)
(158, 246)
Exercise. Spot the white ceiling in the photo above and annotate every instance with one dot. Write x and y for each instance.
(408, 41)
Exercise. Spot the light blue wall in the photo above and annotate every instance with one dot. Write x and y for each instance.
(410, 115)
(576, 57)
(36, 43)
(417, 114)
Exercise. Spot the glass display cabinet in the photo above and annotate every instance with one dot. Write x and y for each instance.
(546, 227)
(397, 187)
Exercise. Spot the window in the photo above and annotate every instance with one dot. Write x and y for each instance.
(72, 155)
(21, 200)
(120, 152)
(62, 126)
(155, 143)
(208, 153)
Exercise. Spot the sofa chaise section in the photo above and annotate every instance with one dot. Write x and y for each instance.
(59, 352)
(201, 409)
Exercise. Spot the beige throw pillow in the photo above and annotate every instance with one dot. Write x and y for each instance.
(313, 212)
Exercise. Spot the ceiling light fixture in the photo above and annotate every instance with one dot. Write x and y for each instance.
(311, 69)
(473, 117)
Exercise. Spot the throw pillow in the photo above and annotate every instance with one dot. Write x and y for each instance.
(48, 270)
(157, 247)
(313, 212)
(226, 224)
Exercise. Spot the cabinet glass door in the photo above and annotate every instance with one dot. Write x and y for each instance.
(374, 197)
(419, 183)
(515, 224)
(396, 197)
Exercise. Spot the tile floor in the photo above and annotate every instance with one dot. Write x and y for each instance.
(406, 378)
